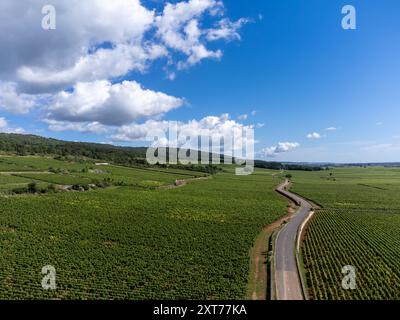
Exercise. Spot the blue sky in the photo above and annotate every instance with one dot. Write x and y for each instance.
(297, 69)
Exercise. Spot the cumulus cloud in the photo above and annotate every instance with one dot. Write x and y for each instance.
(282, 147)
(84, 127)
(179, 29)
(103, 64)
(139, 132)
(97, 39)
(14, 102)
(5, 128)
(243, 117)
(72, 74)
(314, 136)
(110, 104)
(214, 127)
(80, 27)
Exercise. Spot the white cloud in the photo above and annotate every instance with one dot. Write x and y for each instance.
(260, 125)
(81, 26)
(179, 29)
(4, 127)
(177, 26)
(103, 64)
(97, 39)
(253, 113)
(67, 73)
(226, 30)
(331, 129)
(282, 147)
(84, 127)
(138, 132)
(314, 136)
(110, 104)
(16, 130)
(3, 123)
(14, 102)
(243, 117)
(211, 126)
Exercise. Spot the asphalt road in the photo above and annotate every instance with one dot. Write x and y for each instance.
(288, 285)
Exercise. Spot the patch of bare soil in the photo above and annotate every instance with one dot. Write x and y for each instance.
(110, 243)
(8, 229)
(10, 173)
(181, 183)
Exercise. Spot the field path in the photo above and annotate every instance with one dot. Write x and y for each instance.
(10, 173)
(288, 284)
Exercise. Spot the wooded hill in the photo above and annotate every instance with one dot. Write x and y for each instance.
(36, 145)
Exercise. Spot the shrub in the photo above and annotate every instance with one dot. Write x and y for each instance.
(20, 190)
(32, 187)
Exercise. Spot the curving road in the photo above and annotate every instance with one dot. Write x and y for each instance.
(288, 285)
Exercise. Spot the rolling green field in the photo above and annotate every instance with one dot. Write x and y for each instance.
(358, 225)
(137, 241)
(8, 182)
(130, 242)
(33, 163)
(20, 171)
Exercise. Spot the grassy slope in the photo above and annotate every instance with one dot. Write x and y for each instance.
(358, 226)
(34, 168)
(190, 242)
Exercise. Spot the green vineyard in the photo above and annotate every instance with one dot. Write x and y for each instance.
(130, 242)
(142, 237)
(368, 241)
(358, 226)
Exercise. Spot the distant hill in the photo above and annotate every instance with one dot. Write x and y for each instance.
(36, 145)
(131, 156)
